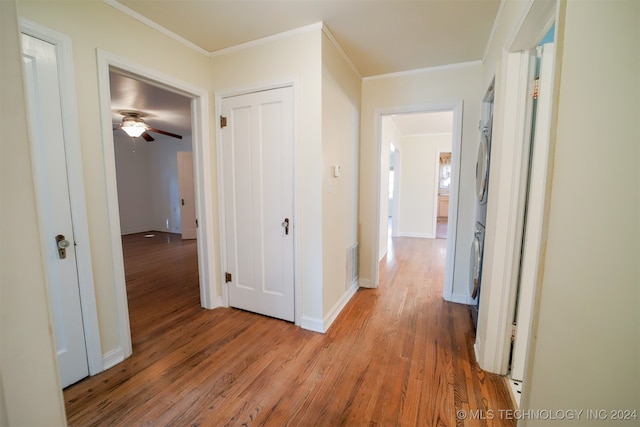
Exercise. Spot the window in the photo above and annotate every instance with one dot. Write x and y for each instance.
(445, 172)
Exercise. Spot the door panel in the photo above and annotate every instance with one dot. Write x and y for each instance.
(534, 214)
(258, 187)
(54, 211)
(187, 195)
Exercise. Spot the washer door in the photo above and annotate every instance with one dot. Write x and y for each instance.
(475, 264)
(482, 168)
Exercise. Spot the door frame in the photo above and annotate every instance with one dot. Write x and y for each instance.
(436, 201)
(73, 155)
(395, 215)
(493, 338)
(203, 188)
(220, 95)
(456, 149)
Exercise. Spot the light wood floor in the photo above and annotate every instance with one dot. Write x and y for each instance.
(397, 355)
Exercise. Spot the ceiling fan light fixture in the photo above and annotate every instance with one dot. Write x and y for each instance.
(134, 128)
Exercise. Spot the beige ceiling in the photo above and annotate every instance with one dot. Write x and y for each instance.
(379, 36)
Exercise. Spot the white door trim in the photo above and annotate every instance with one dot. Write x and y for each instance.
(227, 93)
(73, 156)
(493, 342)
(456, 145)
(203, 188)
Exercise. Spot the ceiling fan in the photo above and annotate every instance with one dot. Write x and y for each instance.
(134, 126)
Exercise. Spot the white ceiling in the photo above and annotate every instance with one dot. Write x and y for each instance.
(164, 110)
(379, 36)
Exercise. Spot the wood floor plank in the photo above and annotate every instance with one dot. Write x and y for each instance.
(397, 355)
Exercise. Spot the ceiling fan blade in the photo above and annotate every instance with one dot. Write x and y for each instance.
(147, 137)
(174, 135)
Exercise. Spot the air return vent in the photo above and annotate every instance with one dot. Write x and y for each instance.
(352, 265)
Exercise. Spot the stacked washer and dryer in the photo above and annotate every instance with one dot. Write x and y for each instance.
(482, 192)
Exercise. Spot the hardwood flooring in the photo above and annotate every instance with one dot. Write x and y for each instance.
(396, 355)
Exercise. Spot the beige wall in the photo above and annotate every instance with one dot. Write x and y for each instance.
(420, 170)
(31, 392)
(430, 88)
(295, 58)
(93, 25)
(586, 350)
(340, 137)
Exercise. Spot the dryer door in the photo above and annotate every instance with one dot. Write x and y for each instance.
(482, 168)
(475, 264)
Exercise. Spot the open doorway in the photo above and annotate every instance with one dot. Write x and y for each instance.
(409, 207)
(198, 122)
(156, 200)
(444, 186)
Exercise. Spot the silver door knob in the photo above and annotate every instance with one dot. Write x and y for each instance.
(62, 244)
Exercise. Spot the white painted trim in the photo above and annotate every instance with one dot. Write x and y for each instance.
(535, 21)
(73, 153)
(340, 50)
(492, 339)
(397, 168)
(417, 235)
(452, 216)
(436, 196)
(339, 306)
(322, 326)
(113, 357)
(424, 70)
(219, 97)
(146, 21)
(456, 150)
(204, 192)
(502, 246)
(461, 299)
(493, 31)
(365, 283)
(264, 40)
(312, 324)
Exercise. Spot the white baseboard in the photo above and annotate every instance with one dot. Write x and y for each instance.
(461, 299)
(134, 230)
(312, 324)
(220, 302)
(419, 235)
(365, 283)
(112, 358)
(341, 304)
(323, 325)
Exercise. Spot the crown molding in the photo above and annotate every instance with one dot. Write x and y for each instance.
(264, 40)
(143, 19)
(424, 70)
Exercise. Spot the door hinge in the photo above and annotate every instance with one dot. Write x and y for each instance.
(223, 121)
(513, 332)
(227, 277)
(536, 88)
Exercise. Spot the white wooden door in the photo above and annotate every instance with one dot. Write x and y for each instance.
(188, 222)
(257, 145)
(54, 211)
(533, 221)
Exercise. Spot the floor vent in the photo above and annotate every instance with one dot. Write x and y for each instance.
(352, 264)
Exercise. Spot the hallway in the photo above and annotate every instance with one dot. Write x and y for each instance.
(397, 355)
